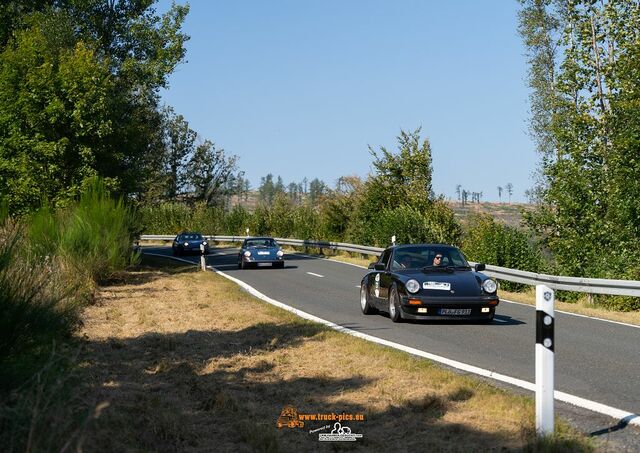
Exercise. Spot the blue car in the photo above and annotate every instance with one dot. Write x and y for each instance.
(260, 251)
(189, 243)
(428, 281)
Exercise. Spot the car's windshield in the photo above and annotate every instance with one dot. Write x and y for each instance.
(260, 242)
(419, 257)
(191, 237)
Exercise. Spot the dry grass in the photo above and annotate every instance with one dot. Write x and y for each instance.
(181, 360)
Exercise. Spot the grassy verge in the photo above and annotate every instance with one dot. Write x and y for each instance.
(175, 359)
(51, 263)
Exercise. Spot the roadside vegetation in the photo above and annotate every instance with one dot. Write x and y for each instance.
(50, 265)
(90, 157)
(173, 359)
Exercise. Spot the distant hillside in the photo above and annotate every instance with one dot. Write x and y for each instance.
(509, 213)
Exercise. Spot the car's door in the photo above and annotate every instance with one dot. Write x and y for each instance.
(377, 277)
(386, 279)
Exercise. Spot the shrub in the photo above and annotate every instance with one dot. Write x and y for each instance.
(235, 221)
(93, 236)
(435, 224)
(49, 263)
(490, 242)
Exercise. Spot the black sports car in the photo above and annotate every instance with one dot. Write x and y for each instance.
(189, 243)
(428, 281)
(259, 251)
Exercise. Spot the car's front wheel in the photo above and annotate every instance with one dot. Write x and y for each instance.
(394, 305)
(366, 307)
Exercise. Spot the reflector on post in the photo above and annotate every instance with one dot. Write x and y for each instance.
(545, 347)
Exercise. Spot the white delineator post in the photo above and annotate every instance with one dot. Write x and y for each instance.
(203, 263)
(545, 347)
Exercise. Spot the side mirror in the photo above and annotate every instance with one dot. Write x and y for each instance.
(379, 266)
(480, 267)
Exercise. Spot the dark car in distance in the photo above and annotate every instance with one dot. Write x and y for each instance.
(260, 251)
(185, 243)
(430, 282)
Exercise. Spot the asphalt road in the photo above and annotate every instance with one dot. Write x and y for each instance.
(595, 359)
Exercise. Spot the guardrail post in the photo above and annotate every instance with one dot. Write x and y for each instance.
(203, 264)
(545, 351)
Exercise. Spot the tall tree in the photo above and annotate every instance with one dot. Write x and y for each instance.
(266, 190)
(179, 145)
(86, 75)
(509, 188)
(589, 196)
(317, 188)
(211, 174)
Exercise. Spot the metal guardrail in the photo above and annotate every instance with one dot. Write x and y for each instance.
(576, 284)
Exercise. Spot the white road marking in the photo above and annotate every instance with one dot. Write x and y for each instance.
(502, 300)
(574, 314)
(628, 417)
(315, 275)
(329, 259)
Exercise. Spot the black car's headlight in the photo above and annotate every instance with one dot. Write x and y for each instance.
(204, 243)
(489, 286)
(280, 253)
(247, 253)
(412, 286)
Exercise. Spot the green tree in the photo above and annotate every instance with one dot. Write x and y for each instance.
(266, 190)
(56, 116)
(179, 145)
(401, 178)
(317, 188)
(588, 192)
(211, 174)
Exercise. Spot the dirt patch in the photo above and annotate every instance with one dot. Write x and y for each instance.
(187, 361)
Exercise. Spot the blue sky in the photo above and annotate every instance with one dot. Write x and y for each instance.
(300, 88)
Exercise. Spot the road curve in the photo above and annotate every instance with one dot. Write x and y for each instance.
(596, 360)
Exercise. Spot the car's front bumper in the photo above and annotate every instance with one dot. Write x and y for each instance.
(195, 249)
(429, 308)
(260, 260)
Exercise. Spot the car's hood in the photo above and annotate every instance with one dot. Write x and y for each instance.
(443, 283)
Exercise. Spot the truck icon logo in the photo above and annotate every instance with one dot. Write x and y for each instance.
(289, 418)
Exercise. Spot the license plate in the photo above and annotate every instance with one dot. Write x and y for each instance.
(422, 310)
(263, 253)
(455, 311)
(263, 264)
(442, 286)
